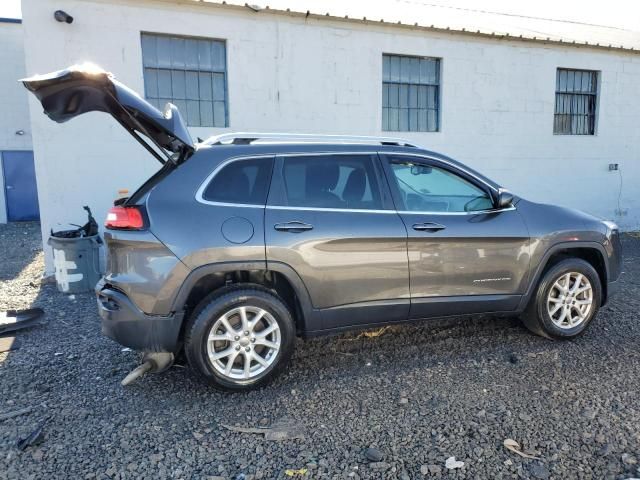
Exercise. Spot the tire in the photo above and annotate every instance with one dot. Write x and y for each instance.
(233, 345)
(549, 296)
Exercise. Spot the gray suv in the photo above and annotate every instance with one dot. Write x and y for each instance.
(240, 243)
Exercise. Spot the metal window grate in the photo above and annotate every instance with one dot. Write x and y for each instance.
(576, 100)
(410, 93)
(188, 72)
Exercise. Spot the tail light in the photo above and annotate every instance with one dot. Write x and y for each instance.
(125, 218)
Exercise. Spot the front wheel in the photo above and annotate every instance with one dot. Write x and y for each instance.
(240, 337)
(566, 301)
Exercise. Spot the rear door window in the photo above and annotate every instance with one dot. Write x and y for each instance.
(328, 181)
(244, 182)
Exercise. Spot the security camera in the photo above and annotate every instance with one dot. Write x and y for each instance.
(62, 16)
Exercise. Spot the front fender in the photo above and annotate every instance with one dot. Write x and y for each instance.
(562, 246)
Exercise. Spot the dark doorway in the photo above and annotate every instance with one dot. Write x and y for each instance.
(20, 189)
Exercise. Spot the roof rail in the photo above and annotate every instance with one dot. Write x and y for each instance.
(247, 138)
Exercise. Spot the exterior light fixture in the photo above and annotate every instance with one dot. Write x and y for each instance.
(62, 16)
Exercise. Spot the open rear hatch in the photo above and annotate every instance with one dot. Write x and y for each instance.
(86, 88)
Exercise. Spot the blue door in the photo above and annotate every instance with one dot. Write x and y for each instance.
(20, 189)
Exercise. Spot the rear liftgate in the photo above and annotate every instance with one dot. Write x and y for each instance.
(79, 89)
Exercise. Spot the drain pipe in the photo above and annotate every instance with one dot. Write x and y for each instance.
(155, 362)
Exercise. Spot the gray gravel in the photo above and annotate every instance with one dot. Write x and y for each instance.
(417, 395)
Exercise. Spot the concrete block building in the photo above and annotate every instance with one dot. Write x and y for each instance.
(550, 109)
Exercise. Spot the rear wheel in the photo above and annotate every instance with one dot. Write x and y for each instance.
(240, 337)
(566, 301)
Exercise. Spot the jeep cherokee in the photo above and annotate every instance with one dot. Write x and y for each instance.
(240, 243)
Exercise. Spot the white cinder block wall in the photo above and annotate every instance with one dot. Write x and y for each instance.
(14, 114)
(292, 74)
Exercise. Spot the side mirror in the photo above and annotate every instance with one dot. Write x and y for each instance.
(505, 199)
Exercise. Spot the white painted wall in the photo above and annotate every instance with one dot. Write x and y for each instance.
(288, 74)
(13, 98)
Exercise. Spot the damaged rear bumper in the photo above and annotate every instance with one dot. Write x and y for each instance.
(125, 323)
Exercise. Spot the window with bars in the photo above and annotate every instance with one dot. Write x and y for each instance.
(576, 100)
(190, 73)
(410, 93)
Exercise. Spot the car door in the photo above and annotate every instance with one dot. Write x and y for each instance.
(330, 217)
(465, 256)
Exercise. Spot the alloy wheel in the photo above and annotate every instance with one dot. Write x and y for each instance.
(243, 342)
(570, 300)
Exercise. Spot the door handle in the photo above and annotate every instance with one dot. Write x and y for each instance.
(293, 227)
(428, 227)
(9, 187)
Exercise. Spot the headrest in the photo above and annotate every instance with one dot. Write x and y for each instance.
(355, 186)
(322, 177)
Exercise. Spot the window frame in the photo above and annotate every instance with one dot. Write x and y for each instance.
(438, 95)
(595, 94)
(199, 196)
(387, 159)
(224, 72)
(276, 191)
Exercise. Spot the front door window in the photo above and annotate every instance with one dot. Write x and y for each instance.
(426, 188)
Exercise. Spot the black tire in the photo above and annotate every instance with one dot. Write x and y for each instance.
(536, 317)
(209, 311)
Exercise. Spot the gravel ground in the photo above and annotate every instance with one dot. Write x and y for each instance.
(416, 394)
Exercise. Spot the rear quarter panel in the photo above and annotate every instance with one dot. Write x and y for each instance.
(193, 230)
(140, 266)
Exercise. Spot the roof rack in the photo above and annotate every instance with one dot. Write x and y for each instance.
(248, 138)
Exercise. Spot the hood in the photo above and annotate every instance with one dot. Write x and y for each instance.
(86, 88)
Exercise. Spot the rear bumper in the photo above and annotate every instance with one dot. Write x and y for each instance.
(125, 323)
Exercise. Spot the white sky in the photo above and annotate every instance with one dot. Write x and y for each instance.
(614, 13)
(10, 9)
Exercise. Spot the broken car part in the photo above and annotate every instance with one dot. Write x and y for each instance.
(155, 362)
(13, 320)
(34, 438)
(89, 229)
